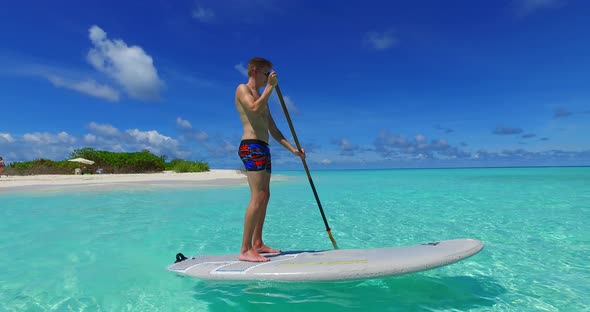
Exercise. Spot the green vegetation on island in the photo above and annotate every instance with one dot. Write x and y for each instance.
(106, 162)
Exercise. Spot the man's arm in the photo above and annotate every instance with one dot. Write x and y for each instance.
(277, 135)
(248, 101)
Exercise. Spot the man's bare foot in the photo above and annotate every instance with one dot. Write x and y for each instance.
(266, 249)
(252, 256)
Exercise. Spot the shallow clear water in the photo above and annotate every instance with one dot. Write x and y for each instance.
(107, 249)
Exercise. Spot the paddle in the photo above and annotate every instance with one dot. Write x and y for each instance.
(315, 193)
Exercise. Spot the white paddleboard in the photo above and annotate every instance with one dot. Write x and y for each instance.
(331, 265)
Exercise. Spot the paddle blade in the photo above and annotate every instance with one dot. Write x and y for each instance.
(332, 239)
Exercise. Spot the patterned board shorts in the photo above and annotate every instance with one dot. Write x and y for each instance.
(255, 155)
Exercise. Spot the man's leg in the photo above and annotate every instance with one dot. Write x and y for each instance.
(259, 197)
(257, 242)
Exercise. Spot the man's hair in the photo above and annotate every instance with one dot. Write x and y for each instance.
(258, 62)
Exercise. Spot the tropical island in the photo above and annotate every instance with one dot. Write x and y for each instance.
(105, 162)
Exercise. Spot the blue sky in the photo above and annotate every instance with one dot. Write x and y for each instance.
(371, 84)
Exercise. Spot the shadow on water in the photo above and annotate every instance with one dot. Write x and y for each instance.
(412, 292)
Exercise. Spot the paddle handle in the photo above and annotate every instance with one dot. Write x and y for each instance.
(315, 193)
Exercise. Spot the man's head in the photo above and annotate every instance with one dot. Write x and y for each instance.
(258, 65)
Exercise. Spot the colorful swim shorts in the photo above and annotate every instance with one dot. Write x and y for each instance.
(255, 155)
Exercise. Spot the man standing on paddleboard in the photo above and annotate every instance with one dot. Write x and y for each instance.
(255, 153)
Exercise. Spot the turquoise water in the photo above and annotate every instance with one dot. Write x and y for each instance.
(107, 249)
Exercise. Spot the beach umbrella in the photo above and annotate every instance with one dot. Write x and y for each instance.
(82, 161)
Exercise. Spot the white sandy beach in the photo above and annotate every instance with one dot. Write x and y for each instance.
(215, 177)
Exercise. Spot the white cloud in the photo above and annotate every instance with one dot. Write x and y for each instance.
(222, 148)
(380, 41)
(291, 107)
(58, 146)
(440, 143)
(190, 133)
(290, 104)
(151, 137)
(104, 129)
(346, 145)
(64, 137)
(398, 141)
(6, 138)
(420, 140)
(326, 161)
(132, 140)
(525, 7)
(48, 138)
(347, 148)
(42, 145)
(201, 136)
(242, 69)
(419, 156)
(204, 15)
(389, 145)
(90, 138)
(64, 78)
(183, 124)
(192, 79)
(131, 66)
(89, 87)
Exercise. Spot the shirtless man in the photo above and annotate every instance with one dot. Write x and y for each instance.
(255, 154)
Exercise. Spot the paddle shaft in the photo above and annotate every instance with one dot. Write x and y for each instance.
(315, 193)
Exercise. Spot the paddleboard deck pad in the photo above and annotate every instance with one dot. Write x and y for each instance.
(331, 265)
